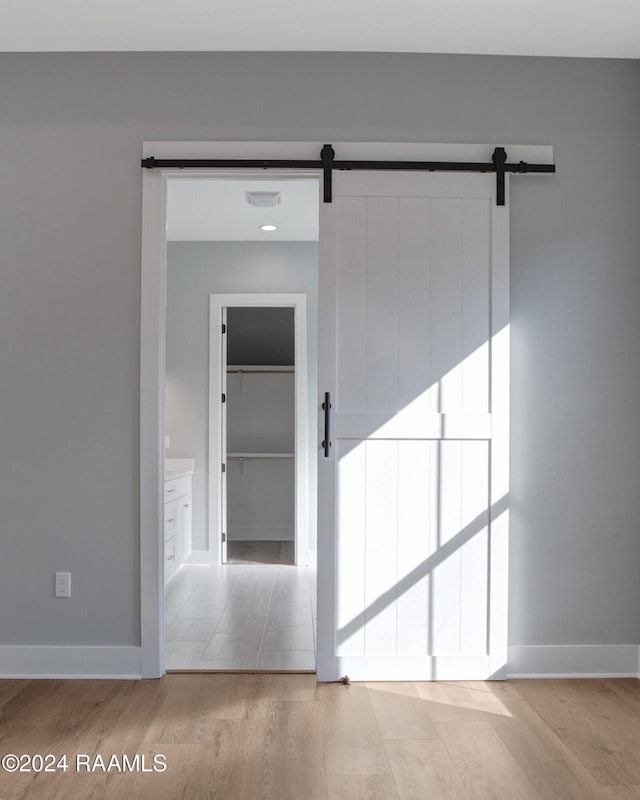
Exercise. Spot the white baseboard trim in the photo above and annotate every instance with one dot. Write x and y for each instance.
(54, 661)
(124, 663)
(573, 661)
(200, 558)
(308, 558)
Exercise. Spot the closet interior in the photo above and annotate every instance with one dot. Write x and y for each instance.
(260, 419)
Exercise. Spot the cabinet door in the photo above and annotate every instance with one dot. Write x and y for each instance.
(170, 520)
(169, 558)
(183, 542)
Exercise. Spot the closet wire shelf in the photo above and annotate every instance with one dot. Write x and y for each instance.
(243, 456)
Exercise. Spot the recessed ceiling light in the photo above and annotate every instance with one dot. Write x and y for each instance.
(268, 227)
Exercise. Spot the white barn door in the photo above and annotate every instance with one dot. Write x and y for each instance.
(413, 497)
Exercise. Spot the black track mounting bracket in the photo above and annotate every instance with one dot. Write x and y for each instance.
(327, 154)
(499, 159)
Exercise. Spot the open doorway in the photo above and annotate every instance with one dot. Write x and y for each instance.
(260, 498)
(253, 456)
(261, 454)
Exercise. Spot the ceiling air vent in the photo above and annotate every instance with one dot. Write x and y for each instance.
(264, 199)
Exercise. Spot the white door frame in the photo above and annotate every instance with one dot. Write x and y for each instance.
(152, 335)
(301, 447)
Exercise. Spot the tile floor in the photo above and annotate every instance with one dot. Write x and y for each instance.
(241, 617)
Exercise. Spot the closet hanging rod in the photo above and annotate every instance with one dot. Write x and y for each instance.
(247, 456)
(261, 371)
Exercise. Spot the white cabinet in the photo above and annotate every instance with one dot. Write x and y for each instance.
(177, 522)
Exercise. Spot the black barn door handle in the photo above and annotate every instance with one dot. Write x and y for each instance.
(326, 443)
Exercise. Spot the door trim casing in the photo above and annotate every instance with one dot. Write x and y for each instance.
(299, 303)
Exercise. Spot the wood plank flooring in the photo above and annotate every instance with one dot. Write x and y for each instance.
(268, 736)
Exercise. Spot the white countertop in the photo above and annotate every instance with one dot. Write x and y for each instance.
(178, 468)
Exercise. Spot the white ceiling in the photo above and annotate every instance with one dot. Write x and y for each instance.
(594, 28)
(205, 210)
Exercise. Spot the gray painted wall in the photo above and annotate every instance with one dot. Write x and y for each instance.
(71, 127)
(194, 271)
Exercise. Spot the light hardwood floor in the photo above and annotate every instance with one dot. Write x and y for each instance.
(241, 617)
(284, 737)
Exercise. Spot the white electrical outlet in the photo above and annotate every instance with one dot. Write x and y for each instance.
(63, 584)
